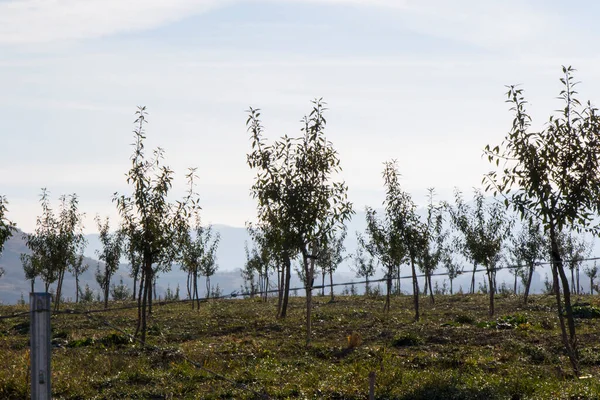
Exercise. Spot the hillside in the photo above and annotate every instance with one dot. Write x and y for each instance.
(231, 258)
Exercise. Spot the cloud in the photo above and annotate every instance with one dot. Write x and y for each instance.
(51, 21)
(45, 21)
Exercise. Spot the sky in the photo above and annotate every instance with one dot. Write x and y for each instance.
(419, 81)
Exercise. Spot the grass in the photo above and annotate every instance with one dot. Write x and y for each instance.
(455, 352)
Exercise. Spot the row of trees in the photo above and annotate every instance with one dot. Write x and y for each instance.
(549, 177)
(153, 234)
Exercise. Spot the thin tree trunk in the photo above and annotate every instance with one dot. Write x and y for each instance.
(61, 276)
(106, 288)
(196, 294)
(386, 307)
(528, 283)
(331, 285)
(139, 300)
(515, 286)
(309, 270)
(431, 294)
(279, 289)
(323, 284)
(570, 342)
(473, 278)
(266, 295)
(451, 291)
(491, 279)
(415, 287)
(76, 288)
(286, 290)
(147, 300)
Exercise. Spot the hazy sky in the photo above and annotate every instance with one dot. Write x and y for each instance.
(415, 80)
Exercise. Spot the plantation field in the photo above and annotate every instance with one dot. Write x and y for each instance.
(455, 352)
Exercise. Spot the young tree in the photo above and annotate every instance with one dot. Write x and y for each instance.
(6, 227)
(152, 224)
(331, 255)
(551, 176)
(364, 263)
(110, 255)
(573, 251)
(483, 227)
(198, 256)
(261, 261)
(592, 273)
(77, 268)
(208, 263)
(55, 243)
(400, 235)
(453, 268)
(134, 257)
(251, 266)
(385, 244)
(526, 249)
(297, 197)
(433, 250)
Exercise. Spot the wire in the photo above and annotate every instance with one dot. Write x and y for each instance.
(17, 315)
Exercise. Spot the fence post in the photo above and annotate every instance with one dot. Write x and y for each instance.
(372, 386)
(39, 306)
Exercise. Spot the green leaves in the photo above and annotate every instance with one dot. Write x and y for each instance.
(294, 188)
(6, 226)
(554, 174)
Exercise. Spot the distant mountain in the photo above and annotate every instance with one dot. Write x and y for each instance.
(231, 259)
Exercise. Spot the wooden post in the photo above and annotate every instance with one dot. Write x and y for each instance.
(372, 386)
(39, 306)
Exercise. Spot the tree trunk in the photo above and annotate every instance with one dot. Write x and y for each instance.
(386, 307)
(573, 287)
(591, 285)
(207, 286)
(266, 295)
(366, 285)
(135, 280)
(415, 287)
(148, 301)
(323, 284)
(577, 278)
(515, 286)
(451, 291)
(106, 288)
(473, 278)
(76, 288)
(431, 294)
(61, 276)
(528, 283)
(145, 295)
(309, 270)
(491, 279)
(570, 341)
(331, 285)
(139, 300)
(195, 293)
(286, 290)
(279, 289)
